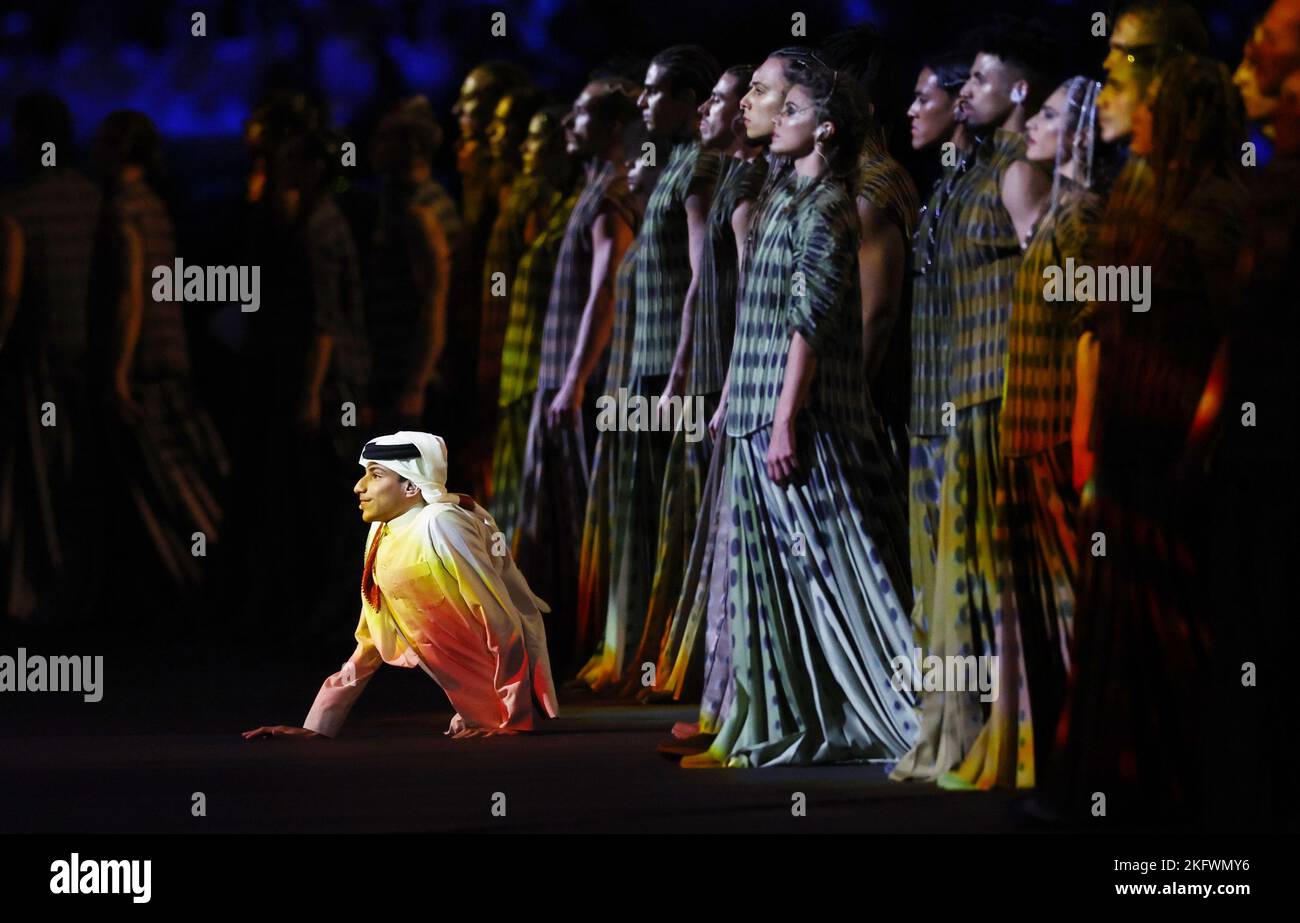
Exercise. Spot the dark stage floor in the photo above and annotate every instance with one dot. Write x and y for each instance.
(168, 728)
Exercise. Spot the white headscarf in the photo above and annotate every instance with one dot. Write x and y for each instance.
(427, 470)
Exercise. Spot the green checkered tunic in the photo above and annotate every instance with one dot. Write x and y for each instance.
(620, 341)
(802, 275)
(528, 194)
(932, 304)
(1039, 404)
(986, 258)
(663, 269)
(521, 354)
(715, 304)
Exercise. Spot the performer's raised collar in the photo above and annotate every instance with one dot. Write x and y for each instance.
(405, 521)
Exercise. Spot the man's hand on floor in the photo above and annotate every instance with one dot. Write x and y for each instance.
(280, 730)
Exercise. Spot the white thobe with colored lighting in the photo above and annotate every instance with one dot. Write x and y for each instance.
(451, 606)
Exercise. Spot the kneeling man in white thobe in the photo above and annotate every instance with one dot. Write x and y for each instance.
(439, 591)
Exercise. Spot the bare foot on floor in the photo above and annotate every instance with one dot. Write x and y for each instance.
(685, 729)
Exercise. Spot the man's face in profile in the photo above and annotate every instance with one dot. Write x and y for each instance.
(383, 495)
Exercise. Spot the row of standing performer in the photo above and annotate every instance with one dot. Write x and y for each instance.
(1058, 480)
(910, 445)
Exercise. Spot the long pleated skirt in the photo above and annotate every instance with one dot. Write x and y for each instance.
(969, 594)
(1039, 509)
(818, 604)
(594, 558)
(640, 464)
(548, 528)
(685, 473)
(696, 655)
(174, 461)
(44, 512)
(925, 481)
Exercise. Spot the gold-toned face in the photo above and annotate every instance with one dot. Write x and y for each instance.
(498, 128)
(471, 109)
(541, 135)
(382, 494)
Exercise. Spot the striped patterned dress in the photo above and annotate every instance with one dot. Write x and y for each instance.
(599, 530)
(1151, 653)
(931, 316)
(686, 470)
(504, 248)
(547, 542)
(171, 458)
(1039, 506)
(987, 258)
(967, 599)
(715, 305)
(817, 570)
(663, 270)
(521, 359)
(663, 275)
(44, 359)
(606, 188)
(687, 643)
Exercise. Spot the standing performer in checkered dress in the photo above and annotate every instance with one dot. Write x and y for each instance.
(165, 448)
(817, 571)
(1035, 493)
(686, 506)
(677, 82)
(991, 209)
(598, 530)
(546, 156)
(934, 121)
(553, 490)
(47, 239)
(702, 608)
(515, 227)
